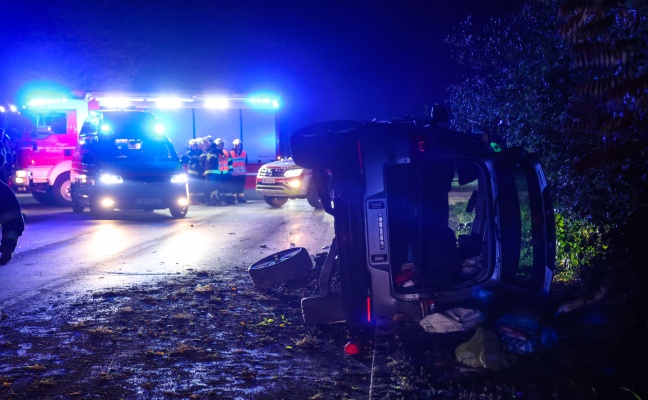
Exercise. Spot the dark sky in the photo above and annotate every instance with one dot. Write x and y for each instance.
(326, 59)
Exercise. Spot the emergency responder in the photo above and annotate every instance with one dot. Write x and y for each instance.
(238, 170)
(216, 170)
(7, 159)
(206, 142)
(12, 222)
(195, 172)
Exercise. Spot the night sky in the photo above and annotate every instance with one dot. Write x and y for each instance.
(325, 59)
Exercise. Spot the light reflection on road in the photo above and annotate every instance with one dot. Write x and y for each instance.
(108, 240)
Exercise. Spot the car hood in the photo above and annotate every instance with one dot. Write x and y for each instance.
(280, 164)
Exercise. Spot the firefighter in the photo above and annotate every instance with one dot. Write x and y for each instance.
(12, 222)
(238, 171)
(206, 142)
(216, 170)
(5, 154)
(195, 172)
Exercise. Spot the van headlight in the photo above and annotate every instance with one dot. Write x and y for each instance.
(179, 178)
(290, 173)
(110, 179)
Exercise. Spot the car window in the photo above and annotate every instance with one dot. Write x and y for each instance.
(138, 149)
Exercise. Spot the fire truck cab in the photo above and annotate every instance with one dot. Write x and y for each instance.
(44, 152)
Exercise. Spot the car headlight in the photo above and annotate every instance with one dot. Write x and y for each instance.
(293, 172)
(110, 179)
(179, 178)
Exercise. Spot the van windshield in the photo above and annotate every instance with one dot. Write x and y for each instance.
(138, 149)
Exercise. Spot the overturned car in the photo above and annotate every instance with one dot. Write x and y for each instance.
(424, 217)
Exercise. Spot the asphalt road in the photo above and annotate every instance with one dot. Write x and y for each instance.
(62, 249)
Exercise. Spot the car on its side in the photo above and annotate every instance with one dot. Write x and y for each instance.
(425, 219)
(281, 180)
(124, 161)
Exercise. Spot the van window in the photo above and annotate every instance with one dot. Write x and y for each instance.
(138, 149)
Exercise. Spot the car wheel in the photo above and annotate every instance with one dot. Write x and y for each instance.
(77, 207)
(178, 212)
(280, 267)
(61, 190)
(313, 197)
(275, 201)
(45, 198)
(319, 310)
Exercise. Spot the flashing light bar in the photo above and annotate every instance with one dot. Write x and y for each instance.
(116, 102)
(151, 100)
(220, 103)
(44, 102)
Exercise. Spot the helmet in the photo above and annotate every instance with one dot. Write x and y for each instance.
(199, 141)
(207, 138)
(236, 142)
(192, 142)
(219, 141)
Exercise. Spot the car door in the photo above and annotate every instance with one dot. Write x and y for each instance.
(525, 222)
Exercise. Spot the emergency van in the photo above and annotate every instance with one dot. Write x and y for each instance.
(45, 147)
(124, 161)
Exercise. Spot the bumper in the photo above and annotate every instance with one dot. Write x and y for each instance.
(132, 196)
(282, 187)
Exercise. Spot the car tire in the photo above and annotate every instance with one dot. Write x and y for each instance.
(275, 201)
(313, 197)
(178, 212)
(77, 207)
(280, 267)
(45, 198)
(61, 190)
(320, 310)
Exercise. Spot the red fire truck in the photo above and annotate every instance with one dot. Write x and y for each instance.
(44, 149)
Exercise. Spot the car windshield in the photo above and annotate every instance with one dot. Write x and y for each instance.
(138, 149)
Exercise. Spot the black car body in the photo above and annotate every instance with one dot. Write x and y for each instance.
(124, 161)
(425, 216)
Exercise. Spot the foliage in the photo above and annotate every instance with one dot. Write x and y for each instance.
(579, 100)
(579, 243)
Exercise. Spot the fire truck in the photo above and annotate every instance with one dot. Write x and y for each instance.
(44, 149)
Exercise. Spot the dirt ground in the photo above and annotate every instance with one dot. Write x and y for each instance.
(200, 336)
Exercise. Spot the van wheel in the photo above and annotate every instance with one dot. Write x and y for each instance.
(178, 212)
(280, 267)
(61, 190)
(77, 207)
(275, 201)
(313, 197)
(319, 310)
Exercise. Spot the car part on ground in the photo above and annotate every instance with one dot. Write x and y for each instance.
(280, 267)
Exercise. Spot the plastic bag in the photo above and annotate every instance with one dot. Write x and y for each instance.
(523, 334)
(483, 351)
(452, 320)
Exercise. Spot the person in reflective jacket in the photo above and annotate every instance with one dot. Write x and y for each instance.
(12, 222)
(238, 162)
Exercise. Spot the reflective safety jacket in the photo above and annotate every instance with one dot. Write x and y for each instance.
(238, 162)
(11, 217)
(217, 162)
